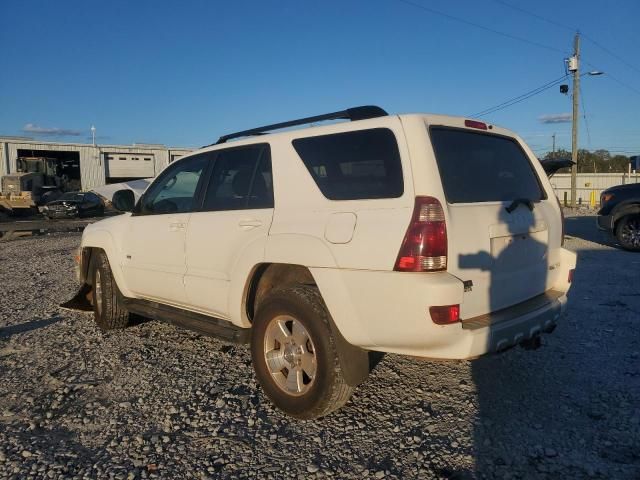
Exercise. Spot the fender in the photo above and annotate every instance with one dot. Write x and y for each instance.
(96, 237)
(283, 248)
(311, 252)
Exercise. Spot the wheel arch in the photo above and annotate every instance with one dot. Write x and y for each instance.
(96, 240)
(624, 210)
(271, 277)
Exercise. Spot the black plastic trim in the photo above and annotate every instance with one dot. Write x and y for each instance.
(538, 302)
(353, 114)
(197, 322)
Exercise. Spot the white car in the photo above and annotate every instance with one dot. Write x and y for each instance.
(423, 235)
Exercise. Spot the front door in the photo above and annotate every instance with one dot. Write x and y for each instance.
(154, 258)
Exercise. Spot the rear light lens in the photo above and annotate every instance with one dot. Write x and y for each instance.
(424, 248)
(445, 315)
(605, 197)
(570, 276)
(475, 124)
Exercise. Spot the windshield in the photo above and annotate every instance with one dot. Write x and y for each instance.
(479, 167)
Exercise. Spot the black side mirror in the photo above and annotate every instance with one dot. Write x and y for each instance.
(124, 200)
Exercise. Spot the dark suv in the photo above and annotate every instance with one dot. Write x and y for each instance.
(620, 214)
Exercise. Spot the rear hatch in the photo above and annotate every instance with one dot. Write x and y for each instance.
(498, 218)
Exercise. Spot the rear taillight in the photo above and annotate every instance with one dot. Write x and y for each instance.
(424, 248)
(445, 315)
(570, 276)
(605, 197)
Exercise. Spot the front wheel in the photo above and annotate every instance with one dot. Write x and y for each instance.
(295, 355)
(109, 312)
(628, 232)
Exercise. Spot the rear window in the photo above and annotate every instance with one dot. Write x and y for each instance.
(356, 165)
(477, 167)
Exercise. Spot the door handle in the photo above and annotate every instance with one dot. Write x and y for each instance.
(247, 224)
(175, 226)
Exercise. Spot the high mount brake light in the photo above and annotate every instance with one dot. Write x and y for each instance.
(476, 124)
(424, 248)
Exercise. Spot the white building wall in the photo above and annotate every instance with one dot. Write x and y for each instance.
(586, 183)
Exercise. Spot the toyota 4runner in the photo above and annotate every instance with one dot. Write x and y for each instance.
(423, 235)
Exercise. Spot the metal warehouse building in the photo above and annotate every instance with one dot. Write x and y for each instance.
(92, 165)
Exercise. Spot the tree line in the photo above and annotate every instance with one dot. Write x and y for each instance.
(598, 161)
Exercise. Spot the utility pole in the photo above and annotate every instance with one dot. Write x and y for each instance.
(574, 66)
(554, 145)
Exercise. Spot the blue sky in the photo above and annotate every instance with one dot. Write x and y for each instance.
(183, 73)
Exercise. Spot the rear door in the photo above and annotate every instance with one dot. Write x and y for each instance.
(499, 218)
(236, 214)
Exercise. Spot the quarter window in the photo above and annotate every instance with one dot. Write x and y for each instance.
(354, 165)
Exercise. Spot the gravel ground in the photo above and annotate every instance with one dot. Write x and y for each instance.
(155, 401)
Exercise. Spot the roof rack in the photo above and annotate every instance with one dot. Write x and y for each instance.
(353, 114)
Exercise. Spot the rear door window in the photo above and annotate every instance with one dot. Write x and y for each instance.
(477, 167)
(241, 179)
(356, 165)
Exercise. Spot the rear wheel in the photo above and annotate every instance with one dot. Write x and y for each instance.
(628, 232)
(108, 309)
(295, 355)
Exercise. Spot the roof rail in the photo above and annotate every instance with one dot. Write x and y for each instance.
(353, 114)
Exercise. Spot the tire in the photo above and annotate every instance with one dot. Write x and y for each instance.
(317, 386)
(628, 232)
(108, 309)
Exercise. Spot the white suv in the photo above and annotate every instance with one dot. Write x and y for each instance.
(423, 235)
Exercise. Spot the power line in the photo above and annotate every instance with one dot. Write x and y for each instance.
(618, 81)
(520, 98)
(567, 27)
(614, 55)
(539, 17)
(482, 27)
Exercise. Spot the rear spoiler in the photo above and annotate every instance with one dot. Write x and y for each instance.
(551, 166)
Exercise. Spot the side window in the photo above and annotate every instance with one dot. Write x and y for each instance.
(241, 179)
(175, 189)
(354, 165)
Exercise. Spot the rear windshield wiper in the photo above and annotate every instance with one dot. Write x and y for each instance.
(520, 201)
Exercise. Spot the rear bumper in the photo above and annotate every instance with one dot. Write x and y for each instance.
(389, 312)
(507, 328)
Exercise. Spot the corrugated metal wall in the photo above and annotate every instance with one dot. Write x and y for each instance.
(3, 159)
(92, 159)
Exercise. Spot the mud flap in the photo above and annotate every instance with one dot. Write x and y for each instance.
(354, 361)
(81, 301)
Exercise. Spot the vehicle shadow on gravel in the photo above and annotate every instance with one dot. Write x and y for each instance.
(517, 267)
(7, 332)
(566, 410)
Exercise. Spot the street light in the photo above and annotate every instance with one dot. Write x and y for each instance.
(573, 64)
